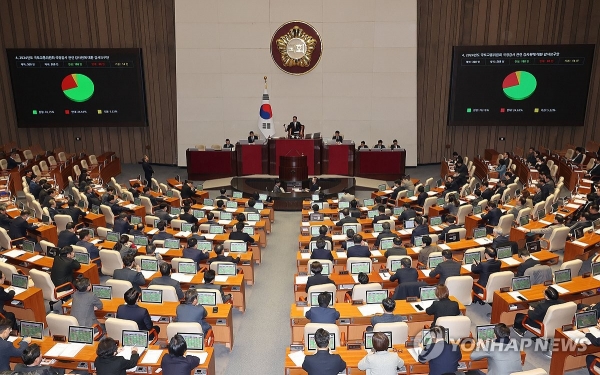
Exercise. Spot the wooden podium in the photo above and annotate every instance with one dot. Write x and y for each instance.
(293, 168)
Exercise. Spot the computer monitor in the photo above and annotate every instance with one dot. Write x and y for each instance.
(204, 245)
(175, 211)
(200, 187)
(578, 233)
(432, 262)
(52, 251)
(474, 256)
(345, 228)
(226, 216)
(140, 241)
(376, 296)
(136, 220)
(398, 211)
(95, 209)
(427, 293)
(314, 230)
(237, 194)
(81, 204)
(395, 264)
(90, 231)
(152, 296)
(193, 341)
(231, 204)
(479, 233)
(19, 281)
(35, 330)
(409, 224)
(541, 214)
(533, 246)
(368, 202)
(368, 340)
(149, 265)
(562, 276)
(226, 269)
(238, 247)
(134, 338)
(207, 298)
(427, 188)
(216, 229)
(312, 345)
(137, 201)
(427, 338)
(386, 243)
(198, 214)
(358, 267)
(29, 246)
(262, 197)
(378, 227)
(595, 268)
(596, 224)
(186, 227)
(440, 201)
(477, 210)
(419, 241)
(187, 268)
(372, 213)
(102, 291)
(208, 202)
(82, 335)
(314, 298)
(170, 193)
(316, 216)
(171, 243)
(504, 252)
(342, 205)
(436, 220)
(584, 319)
(124, 197)
(248, 230)
(45, 219)
(259, 205)
(486, 332)
(251, 216)
(521, 283)
(452, 237)
(113, 236)
(326, 271)
(410, 193)
(438, 183)
(83, 258)
(524, 220)
(382, 187)
(155, 223)
(314, 197)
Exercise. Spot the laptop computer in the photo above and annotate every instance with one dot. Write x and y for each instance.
(595, 268)
(95, 209)
(102, 291)
(314, 298)
(237, 194)
(140, 240)
(251, 216)
(562, 276)
(171, 243)
(316, 216)
(248, 230)
(45, 219)
(372, 213)
(113, 236)
(474, 256)
(226, 269)
(231, 204)
(175, 211)
(208, 202)
(504, 252)
(204, 245)
(200, 187)
(386, 243)
(198, 214)
(409, 224)
(136, 220)
(187, 268)
(170, 193)
(427, 338)
(524, 220)
(226, 216)
(358, 267)
(378, 227)
(345, 228)
(398, 211)
(432, 262)
(584, 319)
(368, 202)
(440, 201)
(186, 227)
(19, 282)
(427, 293)
(81, 335)
(520, 283)
(477, 210)
(155, 223)
(29, 246)
(238, 247)
(342, 205)
(35, 330)
(395, 264)
(138, 339)
(83, 258)
(479, 233)
(152, 296)
(376, 296)
(533, 246)
(193, 341)
(207, 298)
(436, 220)
(312, 345)
(368, 339)
(419, 241)
(216, 229)
(149, 265)
(486, 332)
(452, 237)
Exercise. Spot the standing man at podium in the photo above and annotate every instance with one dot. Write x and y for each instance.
(295, 128)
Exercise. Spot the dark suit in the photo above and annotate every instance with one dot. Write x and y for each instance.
(441, 360)
(537, 314)
(405, 275)
(421, 199)
(66, 238)
(62, 270)
(122, 226)
(493, 216)
(134, 277)
(136, 313)
(194, 254)
(347, 220)
(317, 280)
(172, 364)
(193, 314)
(420, 230)
(167, 280)
(382, 235)
(35, 188)
(295, 127)
(18, 228)
(502, 241)
(525, 265)
(322, 254)
(359, 251)
(546, 190)
(91, 249)
(380, 217)
(11, 163)
(252, 138)
(8, 350)
(223, 258)
(187, 192)
(5, 221)
(115, 365)
(338, 138)
(484, 270)
(324, 238)
(443, 307)
(448, 229)
(189, 218)
(326, 315)
(163, 216)
(74, 212)
(116, 209)
(487, 194)
(395, 251)
(241, 236)
(93, 200)
(161, 236)
(446, 269)
(323, 363)
(578, 158)
(148, 171)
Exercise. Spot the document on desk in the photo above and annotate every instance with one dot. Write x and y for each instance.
(342, 254)
(544, 222)
(161, 250)
(152, 231)
(65, 350)
(431, 193)
(483, 241)
(467, 267)
(305, 255)
(478, 216)
(384, 275)
(376, 253)
(198, 353)
(517, 296)
(210, 236)
(560, 289)
(436, 228)
(405, 232)
(251, 223)
(297, 357)
(533, 257)
(130, 206)
(471, 197)
(155, 318)
(18, 290)
(417, 249)
(186, 234)
(301, 279)
(371, 309)
(152, 356)
(574, 206)
(522, 229)
(125, 351)
(208, 208)
(35, 258)
(232, 210)
(375, 234)
(14, 253)
(364, 208)
(148, 274)
(578, 337)
(12, 209)
(221, 278)
(579, 201)
(493, 180)
(388, 191)
(579, 243)
(338, 237)
(444, 246)
(12, 338)
(426, 272)
(424, 305)
(511, 261)
(182, 277)
(594, 331)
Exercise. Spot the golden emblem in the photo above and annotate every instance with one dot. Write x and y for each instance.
(296, 47)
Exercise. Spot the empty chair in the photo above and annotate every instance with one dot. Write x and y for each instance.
(102, 232)
(177, 194)
(149, 219)
(38, 210)
(154, 185)
(52, 161)
(460, 287)
(108, 214)
(28, 155)
(77, 171)
(111, 261)
(399, 331)
(496, 281)
(115, 328)
(168, 292)
(84, 164)
(147, 204)
(216, 147)
(175, 262)
(119, 287)
(44, 244)
(524, 212)
(227, 244)
(463, 211)
(574, 265)
(557, 239)
(58, 324)
(548, 204)
(163, 188)
(93, 160)
(6, 241)
(428, 203)
(459, 327)
(536, 210)
(201, 147)
(506, 222)
(42, 280)
(176, 224)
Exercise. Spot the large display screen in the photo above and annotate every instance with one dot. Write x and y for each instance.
(520, 85)
(77, 87)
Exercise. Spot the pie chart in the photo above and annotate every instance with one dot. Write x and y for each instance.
(77, 87)
(519, 85)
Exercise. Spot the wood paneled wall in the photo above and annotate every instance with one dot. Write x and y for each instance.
(446, 23)
(145, 24)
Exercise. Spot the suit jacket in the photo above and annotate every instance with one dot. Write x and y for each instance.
(325, 238)
(443, 307)
(525, 265)
(421, 199)
(148, 170)
(62, 270)
(485, 269)
(189, 218)
(395, 192)
(441, 360)
(595, 171)
(190, 313)
(502, 241)
(347, 220)
(446, 269)
(326, 315)
(122, 226)
(323, 363)
(253, 138)
(223, 258)
(408, 289)
(11, 163)
(539, 311)
(322, 254)
(396, 250)
(317, 280)
(251, 209)
(380, 217)
(83, 308)
(186, 192)
(5, 297)
(382, 235)
(163, 215)
(179, 365)
(136, 313)
(448, 229)
(359, 251)
(91, 248)
(241, 236)
(420, 230)
(161, 236)
(387, 318)
(8, 350)
(405, 275)
(33, 370)
(134, 277)
(18, 228)
(578, 158)
(502, 358)
(115, 365)
(493, 216)
(74, 212)
(5, 221)
(66, 238)
(93, 200)
(117, 209)
(167, 280)
(194, 254)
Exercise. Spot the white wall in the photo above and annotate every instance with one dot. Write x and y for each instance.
(365, 84)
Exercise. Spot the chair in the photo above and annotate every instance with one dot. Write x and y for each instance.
(119, 287)
(480, 250)
(463, 211)
(108, 214)
(496, 281)
(216, 147)
(3, 164)
(556, 317)
(399, 331)
(433, 254)
(430, 182)
(45, 245)
(430, 201)
(62, 221)
(321, 288)
(352, 260)
(227, 244)
(462, 232)
(84, 164)
(93, 160)
(539, 274)
(461, 287)
(52, 161)
(483, 203)
(175, 262)
(590, 163)
(311, 328)
(28, 155)
(459, 327)
(537, 208)
(569, 153)
(102, 232)
(505, 222)
(111, 261)
(557, 239)
(495, 198)
(116, 326)
(163, 188)
(169, 293)
(177, 194)
(574, 265)
(154, 185)
(359, 292)
(201, 147)
(38, 210)
(524, 212)
(149, 219)
(311, 261)
(215, 265)
(58, 325)
(5, 240)
(77, 171)
(147, 204)
(176, 223)
(50, 291)
(8, 270)
(182, 327)
(535, 371)
(395, 258)
(548, 204)
(79, 249)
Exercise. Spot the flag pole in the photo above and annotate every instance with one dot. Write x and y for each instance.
(265, 82)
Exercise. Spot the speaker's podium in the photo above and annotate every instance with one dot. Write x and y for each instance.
(309, 148)
(293, 168)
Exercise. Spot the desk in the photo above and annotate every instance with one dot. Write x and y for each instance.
(221, 321)
(338, 158)
(252, 158)
(311, 148)
(32, 306)
(501, 312)
(576, 251)
(203, 165)
(571, 356)
(356, 322)
(385, 164)
(95, 220)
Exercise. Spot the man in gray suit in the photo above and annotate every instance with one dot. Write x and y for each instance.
(165, 279)
(250, 208)
(85, 303)
(131, 272)
(503, 358)
(447, 268)
(192, 312)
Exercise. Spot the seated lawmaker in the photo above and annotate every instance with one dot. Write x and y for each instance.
(228, 144)
(379, 144)
(239, 234)
(537, 313)
(317, 279)
(132, 311)
(278, 188)
(295, 128)
(323, 362)
(321, 252)
(337, 137)
(252, 138)
(395, 145)
(444, 306)
(406, 273)
(323, 313)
